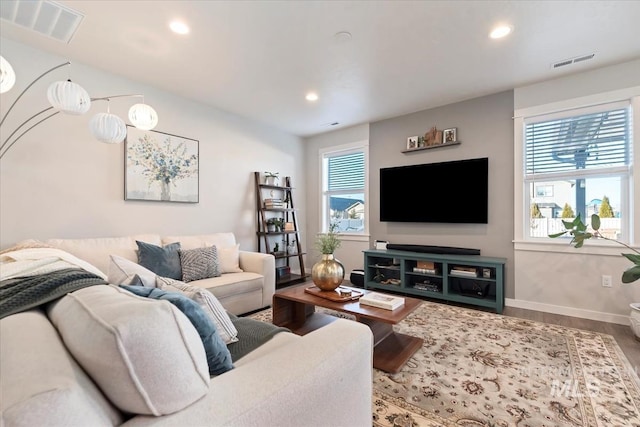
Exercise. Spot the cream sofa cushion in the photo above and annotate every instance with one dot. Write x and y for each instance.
(122, 271)
(144, 354)
(97, 251)
(229, 259)
(221, 240)
(41, 382)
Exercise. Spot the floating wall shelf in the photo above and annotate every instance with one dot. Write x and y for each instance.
(447, 144)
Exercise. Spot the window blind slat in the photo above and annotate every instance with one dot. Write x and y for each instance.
(591, 141)
(346, 172)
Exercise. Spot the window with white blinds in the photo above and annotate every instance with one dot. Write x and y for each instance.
(344, 190)
(579, 163)
(590, 141)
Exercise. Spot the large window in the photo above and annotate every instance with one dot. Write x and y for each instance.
(579, 163)
(344, 178)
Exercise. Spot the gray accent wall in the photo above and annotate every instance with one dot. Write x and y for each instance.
(485, 129)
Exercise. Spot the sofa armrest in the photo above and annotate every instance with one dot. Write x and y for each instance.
(264, 264)
(322, 379)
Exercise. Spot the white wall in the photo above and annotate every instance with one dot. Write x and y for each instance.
(350, 251)
(560, 279)
(58, 181)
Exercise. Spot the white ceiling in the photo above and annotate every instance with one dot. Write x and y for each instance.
(258, 59)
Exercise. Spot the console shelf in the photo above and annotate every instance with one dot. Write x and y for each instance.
(469, 279)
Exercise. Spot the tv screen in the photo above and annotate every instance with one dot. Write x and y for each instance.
(447, 192)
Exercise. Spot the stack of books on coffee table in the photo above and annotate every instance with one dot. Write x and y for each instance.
(388, 302)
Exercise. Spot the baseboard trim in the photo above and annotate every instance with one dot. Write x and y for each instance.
(568, 311)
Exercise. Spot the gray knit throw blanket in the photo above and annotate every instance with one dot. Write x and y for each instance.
(23, 293)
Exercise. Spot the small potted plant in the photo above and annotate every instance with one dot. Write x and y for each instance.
(327, 243)
(275, 224)
(271, 178)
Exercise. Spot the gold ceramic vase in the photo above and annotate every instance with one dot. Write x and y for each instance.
(328, 273)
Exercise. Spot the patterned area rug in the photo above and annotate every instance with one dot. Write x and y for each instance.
(482, 369)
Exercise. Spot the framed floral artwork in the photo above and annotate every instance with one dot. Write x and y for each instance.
(160, 167)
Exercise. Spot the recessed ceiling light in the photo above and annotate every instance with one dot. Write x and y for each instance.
(311, 96)
(500, 31)
(179, 27)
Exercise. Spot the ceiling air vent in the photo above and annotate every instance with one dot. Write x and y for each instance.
(570, 61)
(48, 18)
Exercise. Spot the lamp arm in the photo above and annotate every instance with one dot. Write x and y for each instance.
(102, 98)
(107, 98)
(27, 130)
(22, 124)
(27, 88)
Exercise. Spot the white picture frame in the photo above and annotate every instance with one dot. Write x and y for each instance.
(412, 143)
(147, 153)
(449, 135)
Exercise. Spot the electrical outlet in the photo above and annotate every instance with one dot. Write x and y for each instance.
(606, 281)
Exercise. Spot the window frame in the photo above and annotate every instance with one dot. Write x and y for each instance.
(335, 151)
(630, 197)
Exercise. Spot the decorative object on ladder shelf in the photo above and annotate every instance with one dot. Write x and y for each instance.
(274, 224)
(271, 178)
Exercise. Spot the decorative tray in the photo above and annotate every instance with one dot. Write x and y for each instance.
(337, 295)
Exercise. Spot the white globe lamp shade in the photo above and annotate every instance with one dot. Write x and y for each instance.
(143, 116)
(108, 128)
(69, 97)
(7, 76)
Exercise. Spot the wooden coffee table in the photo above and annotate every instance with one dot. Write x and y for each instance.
(294, 308)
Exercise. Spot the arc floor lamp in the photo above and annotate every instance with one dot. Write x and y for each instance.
(70, 98)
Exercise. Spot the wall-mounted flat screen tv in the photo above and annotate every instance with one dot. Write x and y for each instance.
(446, 192)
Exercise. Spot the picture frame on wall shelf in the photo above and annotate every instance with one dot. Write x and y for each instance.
(449, 135)
(412, 142)
(161, 167)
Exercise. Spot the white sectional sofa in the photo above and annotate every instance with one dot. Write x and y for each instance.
(102, 356)
(239, 293)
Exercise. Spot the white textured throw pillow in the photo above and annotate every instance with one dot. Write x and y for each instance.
(208, 302)
(229, 259)
(139, 351)
(122, 271)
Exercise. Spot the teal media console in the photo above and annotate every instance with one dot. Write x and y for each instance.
(468, 279)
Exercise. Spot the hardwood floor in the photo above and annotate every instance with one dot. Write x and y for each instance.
(622, 334)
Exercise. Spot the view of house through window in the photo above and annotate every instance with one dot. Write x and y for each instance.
(601, 196)
(344, 190)
(579, 164)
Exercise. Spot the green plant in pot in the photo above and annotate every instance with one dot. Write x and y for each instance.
(275, 224)
(579, 232)
(271, 178)
(328, 273)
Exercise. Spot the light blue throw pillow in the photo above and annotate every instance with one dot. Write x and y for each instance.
(164, 261)
(218, 355)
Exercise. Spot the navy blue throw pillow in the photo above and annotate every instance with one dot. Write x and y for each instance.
(164, 261)
(218, 355)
